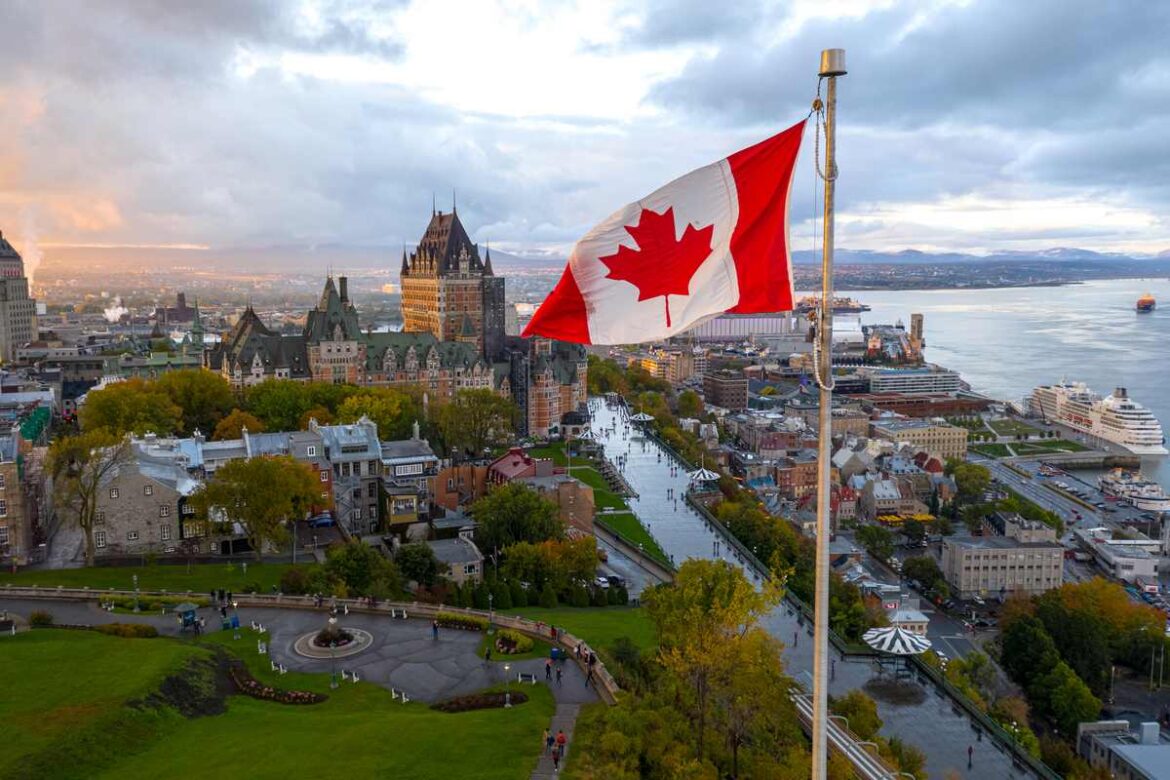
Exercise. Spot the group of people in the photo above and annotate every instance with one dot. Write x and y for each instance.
(554, 745)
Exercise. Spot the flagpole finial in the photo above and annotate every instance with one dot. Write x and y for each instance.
(832, 63)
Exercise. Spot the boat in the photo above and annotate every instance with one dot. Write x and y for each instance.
(1146, 303)
(1133, 488)
(811, 303)
(1116, 418)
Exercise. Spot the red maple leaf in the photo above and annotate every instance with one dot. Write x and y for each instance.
(661, 265)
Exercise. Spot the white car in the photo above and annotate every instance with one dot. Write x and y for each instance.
(601, 582)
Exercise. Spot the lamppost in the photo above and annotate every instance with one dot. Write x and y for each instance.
(235, 619)
(507, 686)
(135, 592)
(491, 613)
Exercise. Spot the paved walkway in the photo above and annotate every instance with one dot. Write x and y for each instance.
(403, 654)
(564, 719)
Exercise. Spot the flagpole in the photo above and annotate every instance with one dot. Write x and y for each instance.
(832, 66)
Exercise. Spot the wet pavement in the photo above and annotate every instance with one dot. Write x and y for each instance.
(912, 711)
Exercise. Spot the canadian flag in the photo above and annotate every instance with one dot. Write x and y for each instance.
(712, 241)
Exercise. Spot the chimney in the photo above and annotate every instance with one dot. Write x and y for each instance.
(343, 282)
(1149, 733)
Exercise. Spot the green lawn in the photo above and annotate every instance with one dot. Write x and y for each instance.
(991, 450)
(1048, 445)
(603, 497)
(1009, 427)
(539, 649)
(598, 626)
(627, 524)
(174, 578)
(66, 690)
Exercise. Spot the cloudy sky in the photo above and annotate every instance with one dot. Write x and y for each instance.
(973, 126)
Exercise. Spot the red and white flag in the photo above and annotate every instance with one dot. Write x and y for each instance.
(712, 241)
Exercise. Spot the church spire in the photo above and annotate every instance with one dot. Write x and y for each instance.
(405, 266)
(487, 261)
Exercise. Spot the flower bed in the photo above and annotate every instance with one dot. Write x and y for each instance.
(249, 686)
(464, 622)
(478, 701)
(127, 630)
(150, 603)
(511, 642)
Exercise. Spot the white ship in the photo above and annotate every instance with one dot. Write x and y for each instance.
(1133, 488)
(1115, 418)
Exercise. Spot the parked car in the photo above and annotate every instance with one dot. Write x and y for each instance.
(601, 582)
(616, 582)
(323, 520)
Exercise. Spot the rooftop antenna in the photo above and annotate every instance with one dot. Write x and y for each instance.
(434, 203)
(453, 209)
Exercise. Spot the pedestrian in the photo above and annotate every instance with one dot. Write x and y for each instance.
(589, 677)
(546, 741)
(435, 629)
(548, 669)
(556, 760)
(558, 676)
(970, 755)
(487, 654)
(795, 638)
(562, 741)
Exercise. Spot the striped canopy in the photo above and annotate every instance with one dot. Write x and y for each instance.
(586, 435)
(703, 475)
(641, 417)
(896, 641)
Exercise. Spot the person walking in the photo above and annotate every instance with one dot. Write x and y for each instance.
(562, 741)
(558, 676)
(487, 654)
(435, 629)
(970, 755)
(548, 669)
(546, 741)
(556, 754)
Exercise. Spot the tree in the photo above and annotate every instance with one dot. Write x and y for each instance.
(1065, 698)
(877, 540)
(513, 513)
(971, 480)
(363, 569)
(922, 568)
(861, 713)
(81, 466)
(475, 421)
(203, 396)
(690, 404)
(418, 562)
(279, 403)
(132, 406)
(390, 410)
(1028, 650)
(260, 495)
(699, 620)
(232, 426)
(913, 530)
(548, 596)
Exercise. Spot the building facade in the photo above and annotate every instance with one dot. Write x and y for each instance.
(18, 312)
(1001, 565)
(726, 389)
(941, 438)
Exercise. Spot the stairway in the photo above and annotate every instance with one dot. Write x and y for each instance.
(564, 719)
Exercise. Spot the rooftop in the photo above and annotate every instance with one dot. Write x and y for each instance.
(455, 551)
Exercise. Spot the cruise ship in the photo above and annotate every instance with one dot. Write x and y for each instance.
(1115, 418)
(1133, 488)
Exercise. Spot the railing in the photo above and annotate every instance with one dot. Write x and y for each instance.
(605, 684)
(868, 765)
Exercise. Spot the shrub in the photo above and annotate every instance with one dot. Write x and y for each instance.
(296, 581)
(519, 594)
(479, 597)
(249, 686)
(478, 701)
(512, 642)
(548, 596)
(150, 603)
(128, 630)
(40, 619)
(598, 597)
(623, 595)
(465, 622)
(613, 597)
(578, 596)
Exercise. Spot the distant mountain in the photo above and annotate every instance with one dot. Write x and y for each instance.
(908, 256)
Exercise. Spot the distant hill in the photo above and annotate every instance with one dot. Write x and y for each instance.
(914, 256)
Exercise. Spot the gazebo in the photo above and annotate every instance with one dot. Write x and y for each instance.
(895, 644)
(641, 417)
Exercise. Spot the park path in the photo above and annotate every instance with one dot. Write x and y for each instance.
(564, 719)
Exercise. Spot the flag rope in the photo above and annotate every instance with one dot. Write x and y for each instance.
(819, 371)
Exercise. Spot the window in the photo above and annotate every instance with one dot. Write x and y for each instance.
(113, 492)
(357, 513)
(372, 492)
(3, 508)
(99, 518)
(311, 451)
(324, 476)
(373, 511)
(324, 496)
(451, 483)
(164, 510)
(2, 482)
(99, 539)
(132, 536)
(148, 490)
(469, 568)
(165, 530)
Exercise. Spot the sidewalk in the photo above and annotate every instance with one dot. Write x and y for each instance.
(564, 719)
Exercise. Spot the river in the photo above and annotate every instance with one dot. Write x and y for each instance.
(1006, 341)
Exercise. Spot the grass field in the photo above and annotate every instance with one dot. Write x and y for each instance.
(1008, 427)
(598, 626)
(1048, 445)
(65, 695)
(539, 650)
(991, 450)
(603, 497)
(175, 578)
(628, 525)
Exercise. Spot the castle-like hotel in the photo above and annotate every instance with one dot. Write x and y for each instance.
(453, 339)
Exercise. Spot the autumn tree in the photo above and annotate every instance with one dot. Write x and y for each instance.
(700, 620)
(279, 403)
(393, 412)
(475, 421)
(81, 466)
(132, 406)
(514, 513)
(364, 570)
(233, 425)
(418, 562)
(259, 495)
(971, 480)
(690, 404)
(204, 397)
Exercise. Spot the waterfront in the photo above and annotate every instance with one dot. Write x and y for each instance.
(1006, 341)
